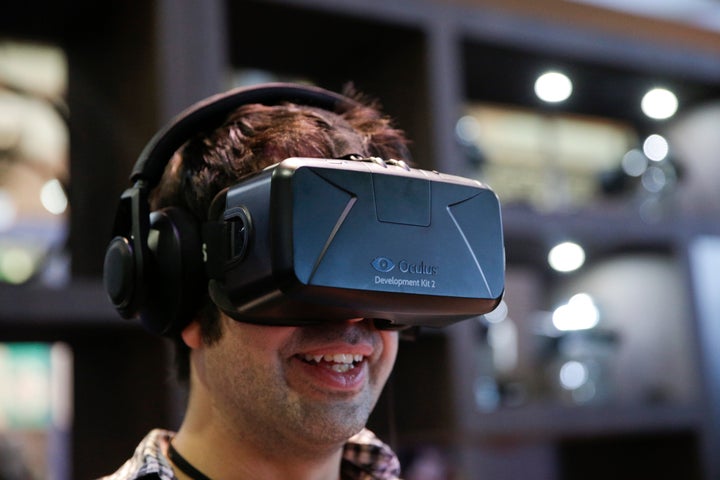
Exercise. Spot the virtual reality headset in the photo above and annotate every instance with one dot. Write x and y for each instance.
(310, 240)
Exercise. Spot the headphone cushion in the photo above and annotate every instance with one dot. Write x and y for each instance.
(119, 276)
(176, 282)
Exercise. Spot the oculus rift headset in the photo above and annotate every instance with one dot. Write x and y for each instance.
(306, 240)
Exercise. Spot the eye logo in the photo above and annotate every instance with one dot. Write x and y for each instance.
(383, 264)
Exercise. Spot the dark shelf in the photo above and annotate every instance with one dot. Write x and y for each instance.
(78, 304)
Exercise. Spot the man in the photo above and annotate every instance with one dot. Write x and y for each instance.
(273, 402)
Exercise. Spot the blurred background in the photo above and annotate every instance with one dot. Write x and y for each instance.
(595, 121)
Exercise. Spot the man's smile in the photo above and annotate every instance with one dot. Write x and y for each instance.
(339, 362)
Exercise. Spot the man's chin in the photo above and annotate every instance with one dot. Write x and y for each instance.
(335, 424)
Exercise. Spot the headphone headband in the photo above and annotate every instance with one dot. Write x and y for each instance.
(212, 111)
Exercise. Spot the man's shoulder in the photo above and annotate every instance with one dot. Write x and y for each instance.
(365, 454)
(148, 462)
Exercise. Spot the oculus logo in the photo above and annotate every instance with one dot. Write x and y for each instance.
(383, 264)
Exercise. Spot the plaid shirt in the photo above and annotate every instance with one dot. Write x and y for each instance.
(365, 457)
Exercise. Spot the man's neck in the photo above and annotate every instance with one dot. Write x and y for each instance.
(220, 455)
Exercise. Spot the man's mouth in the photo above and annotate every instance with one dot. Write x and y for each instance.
(338, 362)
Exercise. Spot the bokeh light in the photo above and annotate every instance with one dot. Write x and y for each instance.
(553, 87)
(655, 147)
(17, 265)
(53, 197)
(634, 163)
(573, 375)
(659, 104)
(579, 313)
(566, 257)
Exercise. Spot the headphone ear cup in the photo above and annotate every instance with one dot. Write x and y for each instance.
(176, 282)
(125, 258)
(120, 276)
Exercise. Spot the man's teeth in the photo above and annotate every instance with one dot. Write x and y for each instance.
(336, 358)
(341, 362)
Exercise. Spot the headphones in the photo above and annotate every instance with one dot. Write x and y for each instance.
(153, 267)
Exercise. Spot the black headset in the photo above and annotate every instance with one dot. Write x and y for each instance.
(153, 268)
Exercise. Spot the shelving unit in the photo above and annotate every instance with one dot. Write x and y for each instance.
(424, 60)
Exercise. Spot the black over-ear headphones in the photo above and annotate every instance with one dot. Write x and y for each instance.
(165, 287)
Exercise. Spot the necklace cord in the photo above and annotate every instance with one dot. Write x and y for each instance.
(186, 467)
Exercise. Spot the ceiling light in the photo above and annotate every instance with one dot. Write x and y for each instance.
(659, 103)
(566, 257)
(553, 87)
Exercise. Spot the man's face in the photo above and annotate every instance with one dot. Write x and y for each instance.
(298, 383)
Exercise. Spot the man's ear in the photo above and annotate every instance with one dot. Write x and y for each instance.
(191, 335)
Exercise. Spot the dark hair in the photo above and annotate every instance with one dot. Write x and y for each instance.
(255, 136)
